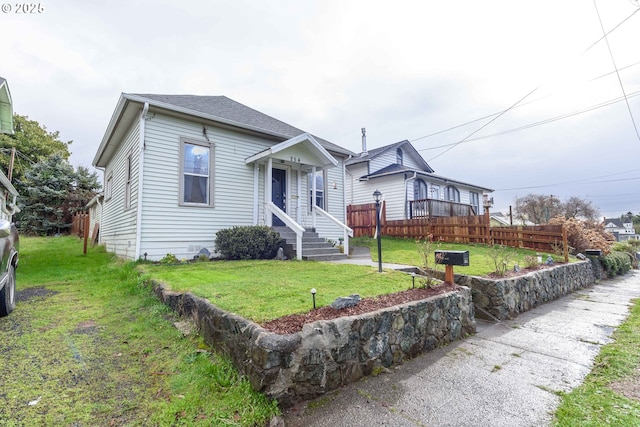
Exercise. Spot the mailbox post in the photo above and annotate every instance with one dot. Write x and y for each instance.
(449, 259)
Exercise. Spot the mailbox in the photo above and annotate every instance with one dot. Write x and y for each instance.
(452, 257)
(593, 252)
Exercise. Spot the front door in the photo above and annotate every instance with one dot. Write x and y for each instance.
(279, 192)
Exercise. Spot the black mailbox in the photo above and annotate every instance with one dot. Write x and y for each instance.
(593, 252)
(452, 257)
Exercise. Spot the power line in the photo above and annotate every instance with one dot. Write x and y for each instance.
(613, 60)
(497, 115)
(535, 124)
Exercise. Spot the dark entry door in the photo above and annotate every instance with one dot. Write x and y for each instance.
(279, 192)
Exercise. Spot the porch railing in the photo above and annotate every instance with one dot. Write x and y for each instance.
(346, 231)
(427, 208)
(271, 208)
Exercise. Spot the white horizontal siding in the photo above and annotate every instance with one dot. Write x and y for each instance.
(183, 230)
(118, 226)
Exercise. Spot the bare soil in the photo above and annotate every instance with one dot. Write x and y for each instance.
(293, 323)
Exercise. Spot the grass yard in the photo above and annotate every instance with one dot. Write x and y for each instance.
(89, 344)
(266, 290)
(481, 263)
(601, 400)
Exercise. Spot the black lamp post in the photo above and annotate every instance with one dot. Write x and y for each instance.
(313, 295)
(377, 195)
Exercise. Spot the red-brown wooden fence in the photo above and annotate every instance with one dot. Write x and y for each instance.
(459, 229)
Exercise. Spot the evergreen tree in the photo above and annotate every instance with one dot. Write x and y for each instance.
(44, 198)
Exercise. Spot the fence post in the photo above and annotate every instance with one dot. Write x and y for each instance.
(565, 243)
(86, 232)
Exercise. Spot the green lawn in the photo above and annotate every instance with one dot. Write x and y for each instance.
(405, 251)
(92, 345)
(595, 403)
(265, 290)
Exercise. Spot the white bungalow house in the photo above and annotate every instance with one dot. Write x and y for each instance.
(179, 168)
(621, 230)
(408, 184)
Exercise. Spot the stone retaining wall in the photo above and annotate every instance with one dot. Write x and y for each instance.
(506, 298)
(327, 354)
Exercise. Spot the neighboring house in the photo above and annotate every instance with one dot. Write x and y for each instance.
(501, 219)
(7, 207)
(409, 186)
(620, 230)
(179, 168)
(6, 108)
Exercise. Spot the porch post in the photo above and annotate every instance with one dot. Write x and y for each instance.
(267, 192)
(300, 197)
(256, 199)
(313, 197)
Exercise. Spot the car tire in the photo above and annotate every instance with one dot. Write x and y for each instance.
(8, 293)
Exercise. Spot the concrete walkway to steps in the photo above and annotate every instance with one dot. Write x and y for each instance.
(505, 375)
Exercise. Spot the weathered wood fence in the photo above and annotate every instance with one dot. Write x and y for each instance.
(79, 221)
(459, 229)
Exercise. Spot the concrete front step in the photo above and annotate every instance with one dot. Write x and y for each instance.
(314, 248)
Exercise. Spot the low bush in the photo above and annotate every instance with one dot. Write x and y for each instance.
(627, 247)
(616, 263)
(248, 242)
(583, 235)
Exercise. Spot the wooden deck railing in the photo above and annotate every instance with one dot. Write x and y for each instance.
(428, 208)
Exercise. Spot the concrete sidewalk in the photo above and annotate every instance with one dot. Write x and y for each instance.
(505, 375)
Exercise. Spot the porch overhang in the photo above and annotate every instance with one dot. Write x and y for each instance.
(302, 150)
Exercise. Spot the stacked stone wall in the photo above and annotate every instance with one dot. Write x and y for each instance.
(329, 353)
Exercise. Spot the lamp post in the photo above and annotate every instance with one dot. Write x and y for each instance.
(377, 195)
(313, 295)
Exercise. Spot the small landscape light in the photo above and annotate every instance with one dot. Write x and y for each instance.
(413, 279)
(313, 295)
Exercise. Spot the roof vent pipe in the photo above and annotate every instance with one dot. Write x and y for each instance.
(364, 141)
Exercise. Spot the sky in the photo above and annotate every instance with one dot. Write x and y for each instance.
(520, 97)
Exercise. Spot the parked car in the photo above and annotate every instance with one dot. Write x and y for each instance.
(9, 245)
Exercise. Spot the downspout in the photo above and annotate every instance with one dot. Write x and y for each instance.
(104, 171)
(140, 180)
(406, 194)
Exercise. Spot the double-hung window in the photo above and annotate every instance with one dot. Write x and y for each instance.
(320, 189)
(195, 173)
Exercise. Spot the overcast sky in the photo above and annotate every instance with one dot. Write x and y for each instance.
(402, 69)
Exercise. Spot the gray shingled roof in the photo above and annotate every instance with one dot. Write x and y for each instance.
(230, 110)
(362, 157)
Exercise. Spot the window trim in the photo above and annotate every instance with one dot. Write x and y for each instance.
(128, 178)
(210, 194)
(324, 191)
(447, 193)
(471, 200)
(108, 187)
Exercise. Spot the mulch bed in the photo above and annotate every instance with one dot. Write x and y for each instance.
(293, 323)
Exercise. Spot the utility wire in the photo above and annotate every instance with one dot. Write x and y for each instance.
(497, 115)
(494, 114)
(484, 125)
(613, 60)
(531, 125)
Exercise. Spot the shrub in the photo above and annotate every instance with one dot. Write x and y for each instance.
(169, 259)
(616, 263)
(583, 235)
(426, 248)
(629, 248)
(501, 256)
(248, 242)
(531, 261)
